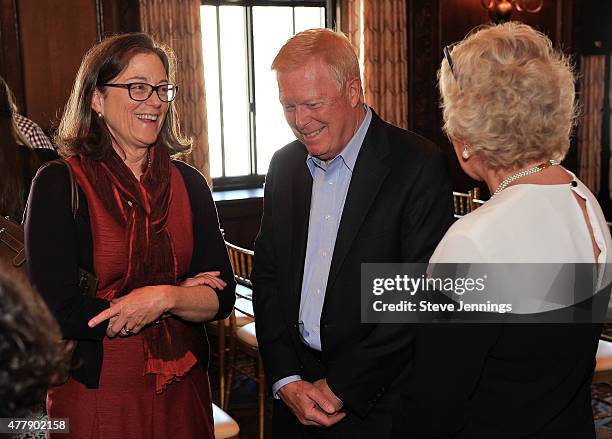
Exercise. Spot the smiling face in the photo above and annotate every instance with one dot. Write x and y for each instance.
(322, 116)
(134, 124)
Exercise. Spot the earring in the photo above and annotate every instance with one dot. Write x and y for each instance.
(465, 154)
(100, 115)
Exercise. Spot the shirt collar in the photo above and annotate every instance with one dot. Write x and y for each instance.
(349, 154)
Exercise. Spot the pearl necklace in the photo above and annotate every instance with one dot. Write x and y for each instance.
(506, 181)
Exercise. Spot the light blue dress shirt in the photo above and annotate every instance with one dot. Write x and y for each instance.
(330, 185)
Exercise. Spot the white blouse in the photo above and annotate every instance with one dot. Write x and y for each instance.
(526, 225)
(529, 223)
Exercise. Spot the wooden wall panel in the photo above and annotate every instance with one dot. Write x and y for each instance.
(459, 16)
(54, 37)
(42, 43)
(240, 220)
(10, 52)
(119, 16)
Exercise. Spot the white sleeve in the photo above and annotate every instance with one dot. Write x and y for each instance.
(457, 247)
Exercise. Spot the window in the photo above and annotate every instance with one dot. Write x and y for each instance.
(245, 120)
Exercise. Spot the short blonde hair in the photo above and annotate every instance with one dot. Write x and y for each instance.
(333, 48)
(511, 96)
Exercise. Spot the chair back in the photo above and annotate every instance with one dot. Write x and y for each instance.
(465, 202)
(242, 263)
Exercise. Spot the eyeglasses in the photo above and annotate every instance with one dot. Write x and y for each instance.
(141, 91)
(449, 60)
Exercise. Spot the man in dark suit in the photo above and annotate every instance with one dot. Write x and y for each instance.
(351, 189)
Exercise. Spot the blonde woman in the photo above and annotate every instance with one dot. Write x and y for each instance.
(508, 108)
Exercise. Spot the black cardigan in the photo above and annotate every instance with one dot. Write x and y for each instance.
(57, 244)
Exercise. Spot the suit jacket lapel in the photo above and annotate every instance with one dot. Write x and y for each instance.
(301, 191)
(368, 176)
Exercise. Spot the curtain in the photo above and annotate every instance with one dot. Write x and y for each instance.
(378, 31)
(176, 23)
(592, 70)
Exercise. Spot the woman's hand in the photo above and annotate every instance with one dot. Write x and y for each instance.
(128, 314)
(210, 278)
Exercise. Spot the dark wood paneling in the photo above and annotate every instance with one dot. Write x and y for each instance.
(54, 37)
(593, 27)
(119, 16)
(42, 43)
(240, 220)
(423, 63)
(11, 67)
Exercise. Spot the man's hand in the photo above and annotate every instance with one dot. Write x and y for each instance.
(310, 405)
(327, 392)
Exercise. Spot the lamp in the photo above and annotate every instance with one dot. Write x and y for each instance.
(501, 10)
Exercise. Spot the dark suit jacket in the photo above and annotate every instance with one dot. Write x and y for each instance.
(398, 207)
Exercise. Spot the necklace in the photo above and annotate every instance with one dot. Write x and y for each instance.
(506, 181)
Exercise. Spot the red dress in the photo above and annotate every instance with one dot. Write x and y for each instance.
(126, 405)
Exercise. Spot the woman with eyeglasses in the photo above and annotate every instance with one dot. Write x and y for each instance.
(508, 108)
(147, 227)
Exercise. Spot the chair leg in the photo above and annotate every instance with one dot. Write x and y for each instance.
(221, 342)
(261, 397)
(230, 372)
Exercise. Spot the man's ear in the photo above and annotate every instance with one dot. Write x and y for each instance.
(97, 102)
(355, 93)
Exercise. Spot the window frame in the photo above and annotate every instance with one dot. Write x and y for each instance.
(254, 180)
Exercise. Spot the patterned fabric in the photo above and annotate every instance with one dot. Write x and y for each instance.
(378, 32)
(32, 132)
(592, 72)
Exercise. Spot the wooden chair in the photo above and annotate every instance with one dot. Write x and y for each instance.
(221, 329)
(603, 374)
(242, 263)
(465, 202)
(603, 366)
(242, 338)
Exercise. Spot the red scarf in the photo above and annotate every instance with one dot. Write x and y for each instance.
(128, 222)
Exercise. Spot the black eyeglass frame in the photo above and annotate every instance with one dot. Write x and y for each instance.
(153, 88)
(449, 60)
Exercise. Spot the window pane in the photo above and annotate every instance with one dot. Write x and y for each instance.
(272, 27)
(235, 92)
(309, 18)
(226, 81)
(211, 82)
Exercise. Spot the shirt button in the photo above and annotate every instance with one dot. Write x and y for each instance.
(331, 182)
(323, 253)
(318, 291)
(327, 217)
